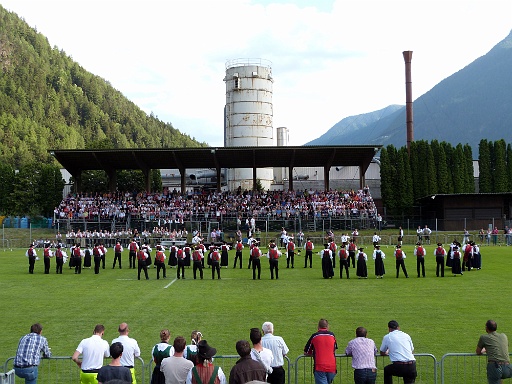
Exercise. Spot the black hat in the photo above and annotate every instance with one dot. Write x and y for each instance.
(439, 244)
(205, 351)
(418, 243)
(398, 246)
(377, 246)
(361, 248)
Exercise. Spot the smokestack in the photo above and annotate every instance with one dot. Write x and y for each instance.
(408, 100)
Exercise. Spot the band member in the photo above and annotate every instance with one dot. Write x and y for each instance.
(59, 259)
(239, 247)
(76, 255)
(32, 256)
(160, 261)
(362, 270)
(103, 253)
(96, 252)
(440, 254)
(400, 256)
(419, 252)
(133, 248)
(180, 256)
(87, 257)
(379, 257)
(118, 250)
(173, 261)
(343, 254)
(197, 258)
(273, 255)
(456, 267)
(187, 251)
(148, 250)
(47, 254)
(333, 248)
(290, 256)
(309, 246)
(256, 263)
(352, 247)
(327, 271)
(224, 248)
(215, 262)
(141, 259)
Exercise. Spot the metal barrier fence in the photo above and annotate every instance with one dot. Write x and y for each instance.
(426, 365)
(454, 368)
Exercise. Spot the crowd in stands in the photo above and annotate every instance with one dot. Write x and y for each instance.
(172, 207)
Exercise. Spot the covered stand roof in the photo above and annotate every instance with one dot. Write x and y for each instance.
(79, 160)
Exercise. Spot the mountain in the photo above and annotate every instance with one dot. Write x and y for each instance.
(472, 104)
(48, 101)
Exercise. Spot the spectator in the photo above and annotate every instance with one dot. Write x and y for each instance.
(160, 352)
(363, 352)
(322, 346)
(246, 369)
(398, 346)
(279, 350)
(175, 368)
(93, 350)
(204, 370)
(29, 352)
(130, 347)
(115, 370)
(495, 345)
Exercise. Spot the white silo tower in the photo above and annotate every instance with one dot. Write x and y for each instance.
(248, 115)
(283, 137)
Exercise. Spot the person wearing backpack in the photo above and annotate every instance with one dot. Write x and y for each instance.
(440, 253)
(400, 256)
(204, 372)
(419, 252)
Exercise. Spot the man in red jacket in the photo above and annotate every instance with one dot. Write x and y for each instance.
(322, 346)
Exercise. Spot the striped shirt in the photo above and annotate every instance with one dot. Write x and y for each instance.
(363, 353)
(30, 348)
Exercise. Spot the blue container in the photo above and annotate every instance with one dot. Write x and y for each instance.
(50, 222)
(7, 222)
(24, 222)
(16, 222)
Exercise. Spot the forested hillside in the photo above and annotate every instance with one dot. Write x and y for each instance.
(48, 101)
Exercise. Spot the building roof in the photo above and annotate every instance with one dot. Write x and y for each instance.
(78, 160)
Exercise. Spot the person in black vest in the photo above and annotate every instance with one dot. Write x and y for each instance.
(400, 256)
(362, 270)
(173, 261)
(141, 259)
(224, 255)
(352, 248)
(215, 262)
(290, 257)
(238, 252)
(344, 263)
(256, 262)
(273, 256)
(160, 261)
(32, 256)
(379, 256)
(440, 254)
(419, 252)
(327, 271)
(118, 249)
(87, 257)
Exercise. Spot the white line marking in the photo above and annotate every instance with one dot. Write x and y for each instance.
(171, 283)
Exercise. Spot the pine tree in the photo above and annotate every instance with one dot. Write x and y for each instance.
(484, 165)
(500, 167)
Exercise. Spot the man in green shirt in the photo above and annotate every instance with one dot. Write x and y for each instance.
(495, 345)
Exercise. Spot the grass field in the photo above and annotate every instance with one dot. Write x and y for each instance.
(441, 314)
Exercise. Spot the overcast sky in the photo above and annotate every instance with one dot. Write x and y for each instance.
(330, 58)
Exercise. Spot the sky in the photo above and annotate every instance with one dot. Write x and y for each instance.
(330, 58)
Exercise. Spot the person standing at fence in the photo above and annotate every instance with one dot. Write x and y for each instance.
(239, 247)
(115, 370)
(440, 254)
(363, 352)
(379, 256)
(131, 349)
(322, 346)
(279, 350)
(246, 369)
(273, 256)
(118, 251)
(28, 354)
(160, 352)
(419, 252)
(175, 368)
(399, 347)
(258, 352)
(400, 257)
(495, 345)
(308, 247)
(204, 371)
(93, 350)
(32, 256)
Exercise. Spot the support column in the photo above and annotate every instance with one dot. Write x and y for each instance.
(326, 178)
(147, 179)
(362, 178)
(112, 180)
(290, 178)
(218, 180)
(254, 179)
(78, 182)
(182, 181)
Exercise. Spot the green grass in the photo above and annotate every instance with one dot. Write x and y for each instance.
(441, 314)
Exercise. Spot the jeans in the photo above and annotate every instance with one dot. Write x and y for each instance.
(29, 374)
(365, 376)
(496, 372)
(324, 377)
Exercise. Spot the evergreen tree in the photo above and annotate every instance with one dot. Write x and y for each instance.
(469, 170)
(431, 172)
(509, 167)
(500, 167)
(6, 188)
(484, 165)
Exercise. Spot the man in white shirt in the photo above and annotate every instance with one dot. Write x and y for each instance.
(131, 349)
(279, 350)
(398, 346)
(260, 353)
(93, 350)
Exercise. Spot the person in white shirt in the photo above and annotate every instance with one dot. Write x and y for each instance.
(260, 353)
(93, 350)
(131, 349)
(279, 350)
(398, 346)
